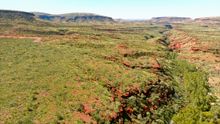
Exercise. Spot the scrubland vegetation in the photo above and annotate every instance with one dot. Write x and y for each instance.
(101, 73)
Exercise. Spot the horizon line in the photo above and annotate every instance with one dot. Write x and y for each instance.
(140, 19)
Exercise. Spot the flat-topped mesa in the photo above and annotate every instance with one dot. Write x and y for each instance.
(208, 20)
(73, 17)
(167, 20)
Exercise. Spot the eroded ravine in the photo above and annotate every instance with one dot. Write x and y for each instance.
(191, 49)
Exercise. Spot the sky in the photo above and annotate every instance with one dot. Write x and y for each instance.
(124, 9)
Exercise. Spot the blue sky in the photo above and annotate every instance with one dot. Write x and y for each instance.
(127, 9)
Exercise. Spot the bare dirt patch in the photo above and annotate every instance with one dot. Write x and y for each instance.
(35, 39)
(84, 117)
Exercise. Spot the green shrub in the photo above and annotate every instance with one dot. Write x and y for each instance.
(191, 84)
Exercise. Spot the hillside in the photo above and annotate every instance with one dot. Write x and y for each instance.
(16, 15)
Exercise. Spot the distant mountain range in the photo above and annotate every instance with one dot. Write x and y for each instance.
(70, 17)
(89, 17)
(204, 20)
